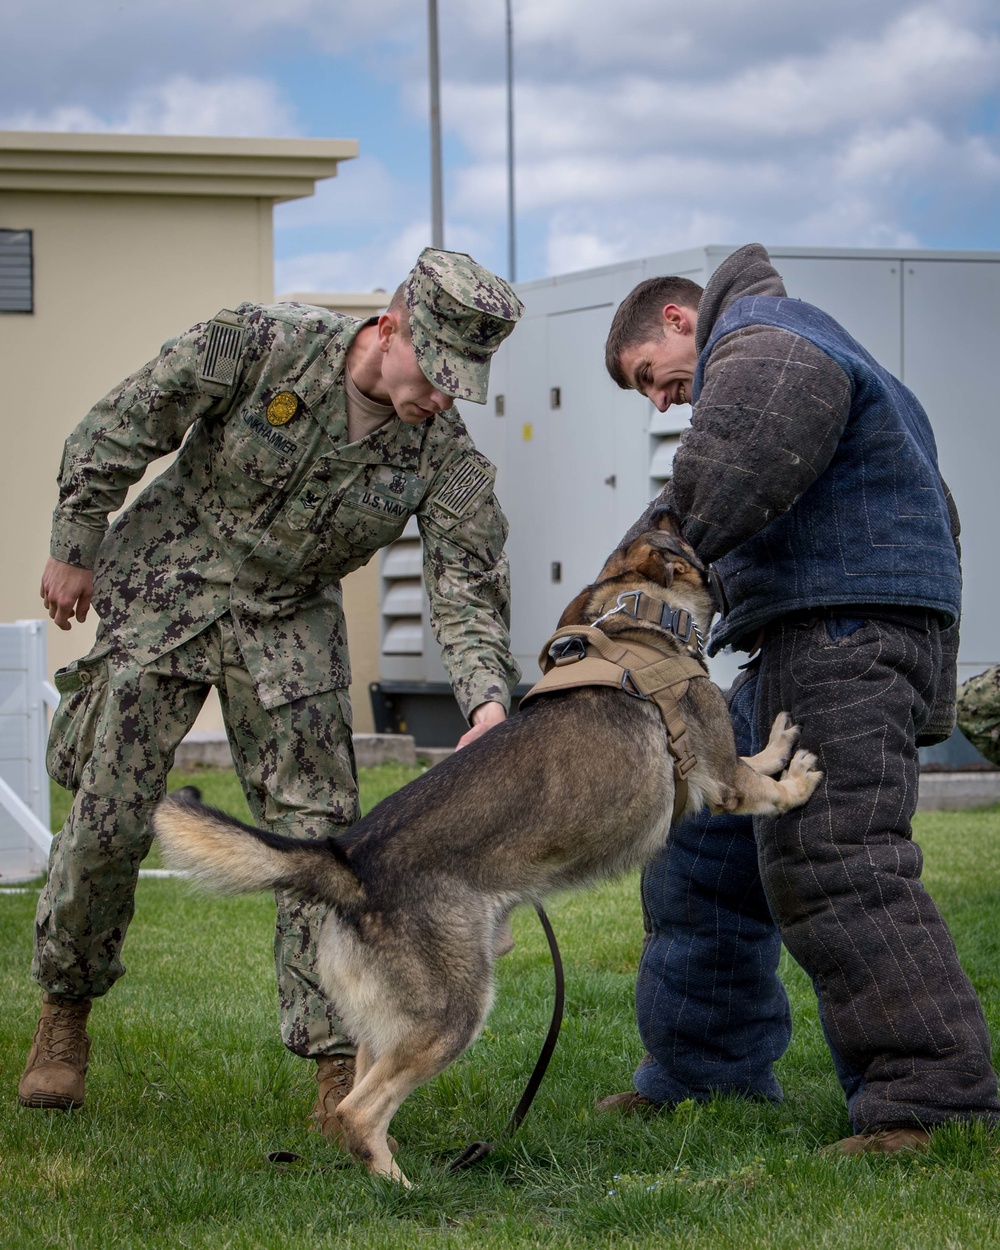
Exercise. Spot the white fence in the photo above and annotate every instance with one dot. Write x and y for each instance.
(25, 695)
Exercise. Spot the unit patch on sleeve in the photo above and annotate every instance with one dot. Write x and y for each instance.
(223, 350)
(469, 481)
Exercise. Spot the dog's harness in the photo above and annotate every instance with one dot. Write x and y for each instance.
(582, 655)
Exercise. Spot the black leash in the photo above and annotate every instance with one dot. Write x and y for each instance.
(478, 1150)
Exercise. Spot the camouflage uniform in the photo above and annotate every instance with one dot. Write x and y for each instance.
(226, 571)
(979, 712)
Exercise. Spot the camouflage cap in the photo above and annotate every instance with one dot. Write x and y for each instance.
(460, 313)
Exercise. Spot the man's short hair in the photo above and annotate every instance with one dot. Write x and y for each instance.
(398, 306)
(639, 318)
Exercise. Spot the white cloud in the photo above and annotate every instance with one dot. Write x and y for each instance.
(881, 155)
(921, 62)
(568, 249)
(982, 160)
(382, 263)
(571, 39)
(641, 125)
(832, 139)
(363, 191)
(609, 177)
(180, 106)
(850, 221)
(917, 149)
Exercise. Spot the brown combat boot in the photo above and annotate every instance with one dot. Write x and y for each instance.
(886, 1142)
(334, 1080)
(628, 1103)
(57, 1063)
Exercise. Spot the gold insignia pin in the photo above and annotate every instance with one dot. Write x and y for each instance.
(282, 408)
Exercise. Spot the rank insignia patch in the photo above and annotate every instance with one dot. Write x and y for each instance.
(282, 408)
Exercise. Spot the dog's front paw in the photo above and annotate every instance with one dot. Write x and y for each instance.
(780, 745)
(801, 778)
(784, 736)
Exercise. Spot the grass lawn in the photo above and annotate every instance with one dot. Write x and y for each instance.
(190, 1088)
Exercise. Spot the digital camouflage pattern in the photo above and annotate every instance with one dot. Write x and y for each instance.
(262, 520)
(112, 742)
(460, 313)
(226, 571)
(979, 712)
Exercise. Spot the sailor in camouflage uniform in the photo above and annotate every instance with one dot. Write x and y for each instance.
(979, 712)
(311, 439)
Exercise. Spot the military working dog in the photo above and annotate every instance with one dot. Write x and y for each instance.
(578, 785)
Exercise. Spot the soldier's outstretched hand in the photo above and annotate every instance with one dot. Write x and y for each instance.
(484, 717)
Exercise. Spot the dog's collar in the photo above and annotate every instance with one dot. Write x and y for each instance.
(676, 621)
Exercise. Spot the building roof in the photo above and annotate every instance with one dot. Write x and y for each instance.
(275, 169)
(336, 301)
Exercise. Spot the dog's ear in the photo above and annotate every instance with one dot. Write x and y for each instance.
(668, 539)
(657, 565)
(575, 611)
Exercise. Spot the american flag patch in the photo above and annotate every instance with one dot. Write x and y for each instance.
(222, 352)
(469, 481)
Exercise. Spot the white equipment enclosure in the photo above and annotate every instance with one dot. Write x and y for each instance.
(579, 459)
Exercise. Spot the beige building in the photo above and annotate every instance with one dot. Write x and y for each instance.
(109, 245)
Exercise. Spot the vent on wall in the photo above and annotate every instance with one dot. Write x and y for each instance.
(16, 278)
(402, 594)
(665, 431)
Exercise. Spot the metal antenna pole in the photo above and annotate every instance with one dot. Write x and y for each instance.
(434, 75)
(511, 218)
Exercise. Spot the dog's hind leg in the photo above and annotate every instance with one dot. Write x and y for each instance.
(367, 1111)
(362, 1062)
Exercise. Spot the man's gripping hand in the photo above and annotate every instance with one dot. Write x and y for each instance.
(66, 592)
(484, 717)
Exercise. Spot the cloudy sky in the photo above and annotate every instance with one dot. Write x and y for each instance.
(642, 125)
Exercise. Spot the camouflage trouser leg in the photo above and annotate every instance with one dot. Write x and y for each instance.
(296, 763)
(112, 741)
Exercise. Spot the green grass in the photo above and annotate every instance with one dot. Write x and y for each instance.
(189, 1089)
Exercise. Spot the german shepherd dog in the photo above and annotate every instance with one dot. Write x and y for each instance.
(576, 787)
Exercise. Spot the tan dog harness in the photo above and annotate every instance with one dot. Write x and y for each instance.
(580, 655)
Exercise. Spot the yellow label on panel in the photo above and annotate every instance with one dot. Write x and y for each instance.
(526, 433)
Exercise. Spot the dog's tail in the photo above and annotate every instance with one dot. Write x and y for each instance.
(232, 858)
